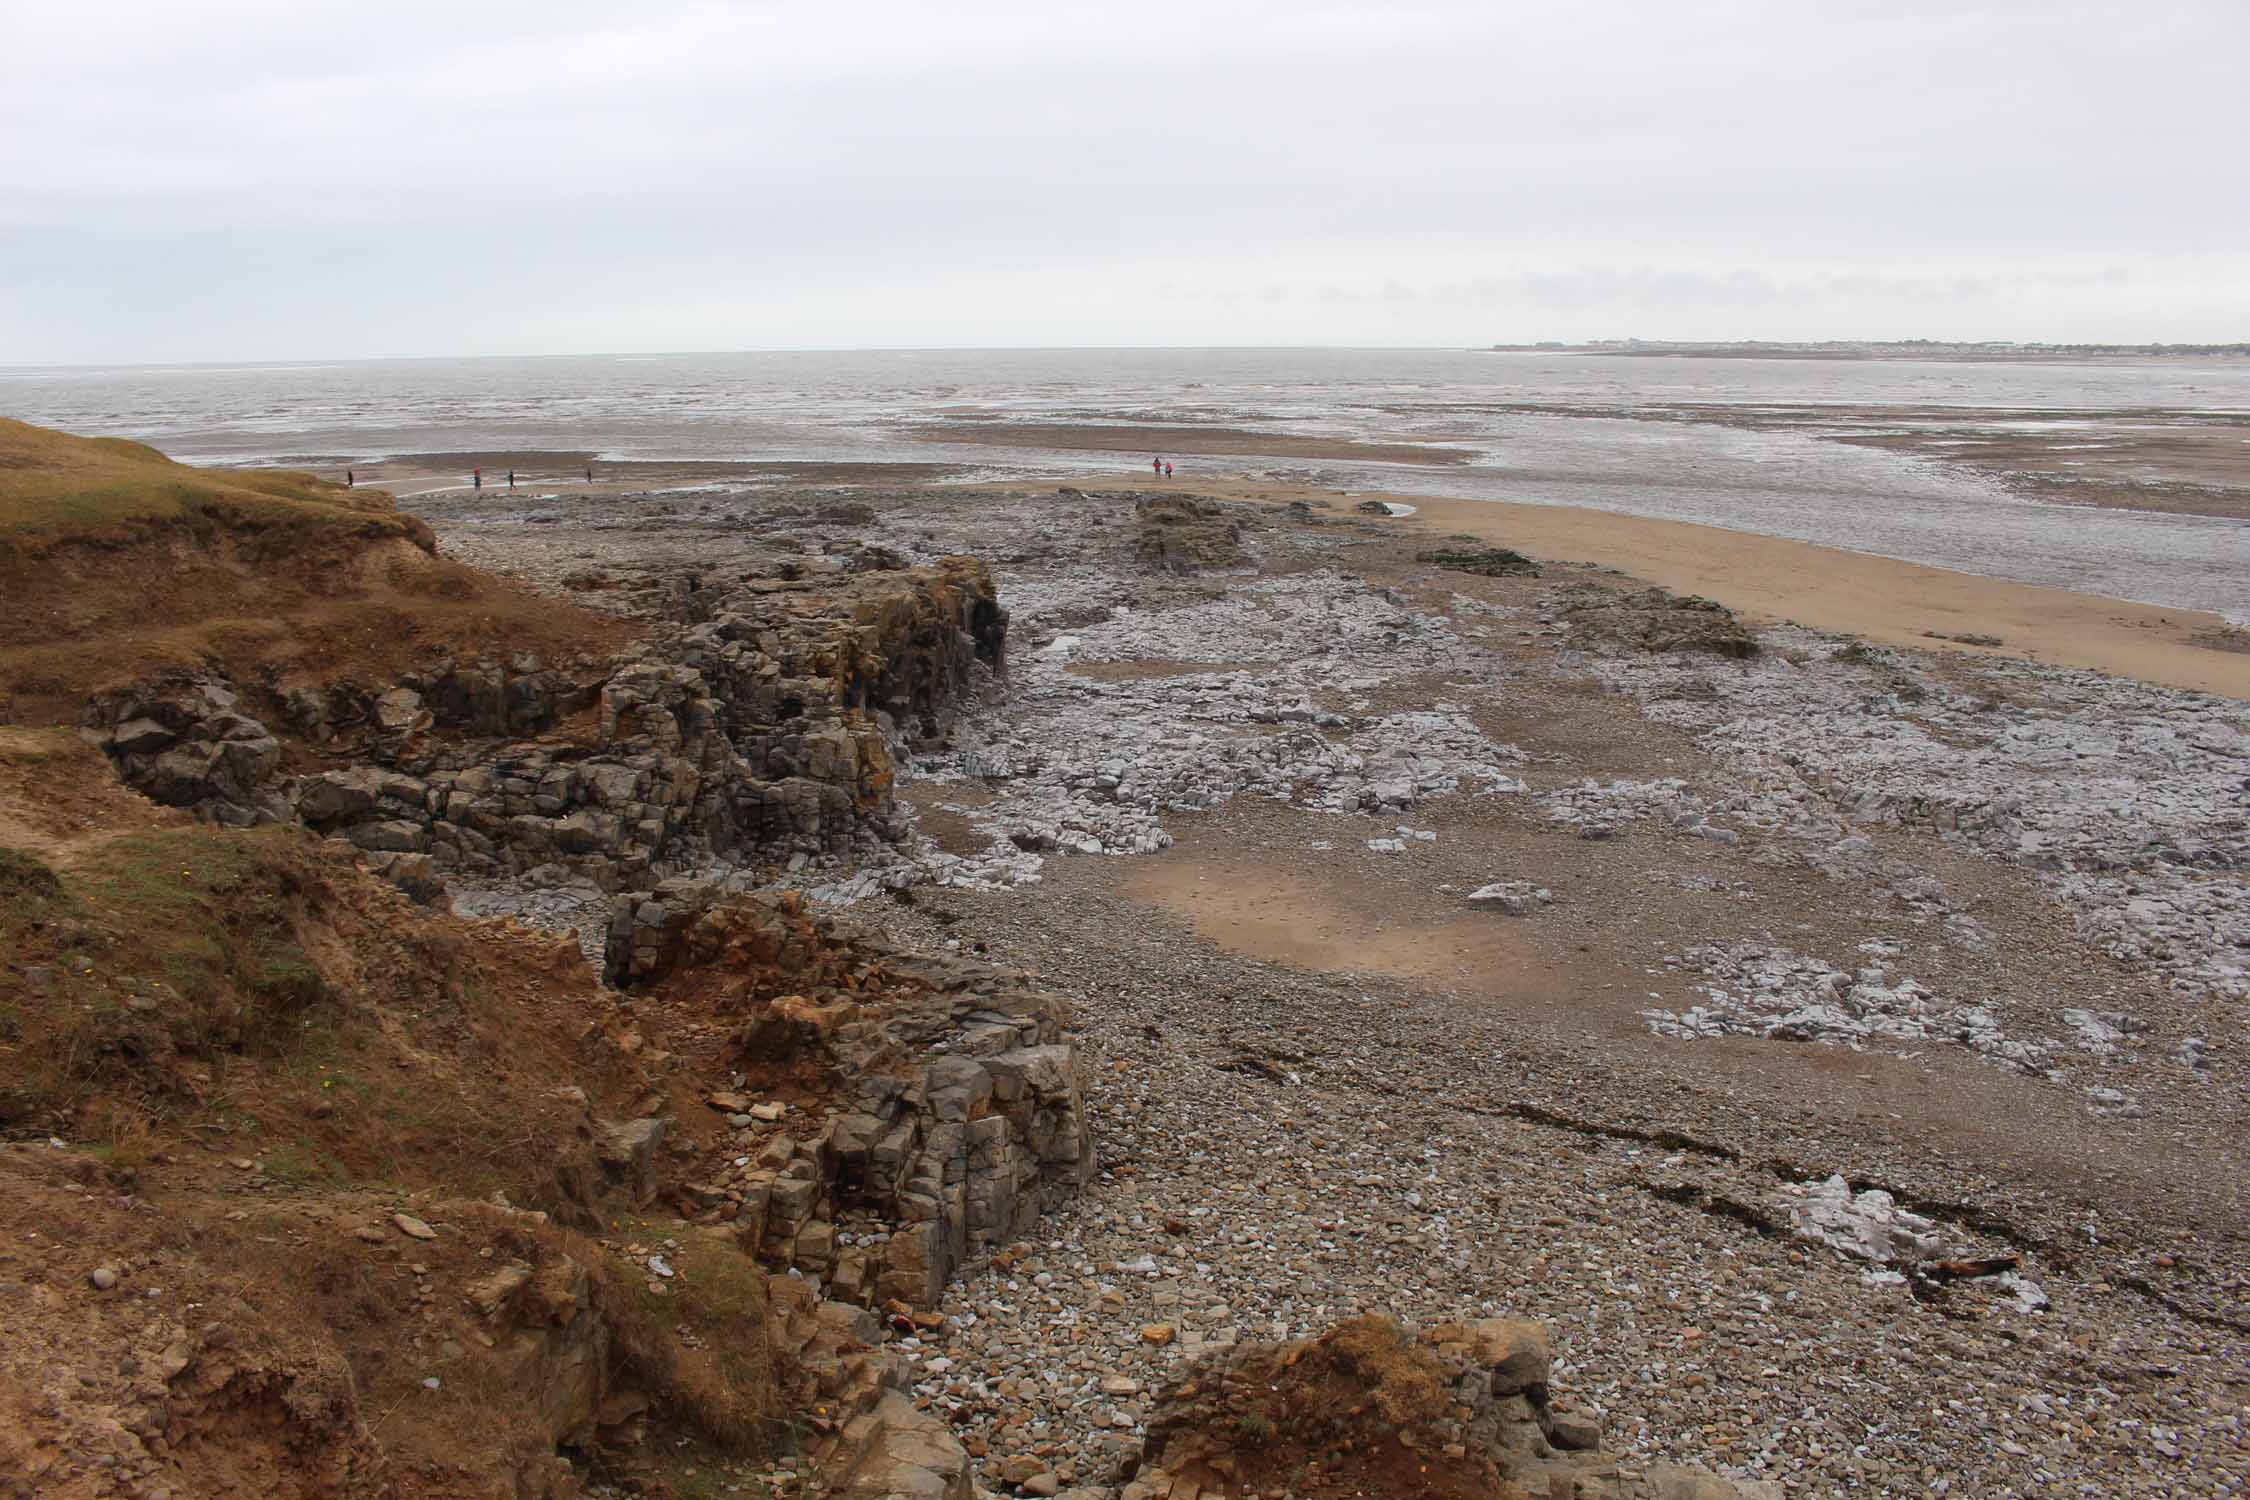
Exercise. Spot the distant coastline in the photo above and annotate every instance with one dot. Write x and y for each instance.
(1989, 351)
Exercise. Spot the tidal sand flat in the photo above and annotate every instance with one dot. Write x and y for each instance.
(1941, 463)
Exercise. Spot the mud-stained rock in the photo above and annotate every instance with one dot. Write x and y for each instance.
(1182, 534)
(273, 1377)
(1657, 620)
(1377, 1407)
(414, 873)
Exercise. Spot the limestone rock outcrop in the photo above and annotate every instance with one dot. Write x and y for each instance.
(760, 725)
(960, 1105)
(185, 741)
(763, 724)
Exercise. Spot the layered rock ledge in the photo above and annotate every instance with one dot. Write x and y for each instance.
(892, 1114)
(760, 723)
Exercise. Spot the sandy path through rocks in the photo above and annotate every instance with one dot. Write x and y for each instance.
(1244, 905)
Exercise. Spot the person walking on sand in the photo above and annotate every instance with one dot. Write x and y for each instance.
(349, 481)
(1167, 468)
(1156, 465)
(511, 479)
(478, 475)
(589, 473)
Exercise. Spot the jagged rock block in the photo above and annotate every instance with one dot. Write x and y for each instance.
(965, 1104)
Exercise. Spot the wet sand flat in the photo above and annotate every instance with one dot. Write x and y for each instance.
(546, 470)
(1212, 441)
(2162, 460)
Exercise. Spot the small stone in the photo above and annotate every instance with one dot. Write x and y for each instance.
(1158, 1334)
(1515, 898)
(412, 1227)
(103, 1277)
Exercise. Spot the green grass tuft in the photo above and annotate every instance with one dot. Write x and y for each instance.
(26, 878)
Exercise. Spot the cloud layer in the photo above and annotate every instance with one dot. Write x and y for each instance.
(243, 178)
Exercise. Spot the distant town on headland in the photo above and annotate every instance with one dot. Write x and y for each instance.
(1997, 349)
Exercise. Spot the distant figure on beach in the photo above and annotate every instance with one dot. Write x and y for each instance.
(511, 479)
(349, 481)
(1157, 464)
(1167, 468)
(478, 474)
(589, 473)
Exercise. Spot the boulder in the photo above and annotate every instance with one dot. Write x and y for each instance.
(1489, 562)
(896, 1452)
(1181, 534)
(627, 1152)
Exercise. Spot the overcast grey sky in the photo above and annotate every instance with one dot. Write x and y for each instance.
(234, 179)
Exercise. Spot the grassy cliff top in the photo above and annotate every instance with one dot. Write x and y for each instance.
(119, 564)
(55, 488)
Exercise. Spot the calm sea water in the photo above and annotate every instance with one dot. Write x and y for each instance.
(863, 407)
